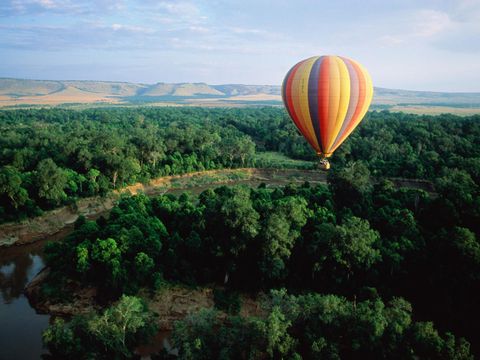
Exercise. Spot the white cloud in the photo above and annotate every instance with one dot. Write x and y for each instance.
(130, 28)
(239, 30)
(180, 8)
(200, 29)
(428, 23)
(81, 35)
(48, 4)
(423, 26)
(247, 39)
(391, 40)
(60, 7)
(179, 13)
(467, 11)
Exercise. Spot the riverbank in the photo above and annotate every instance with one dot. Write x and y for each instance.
(61, 219)
(171, 303)
(20, 263)
(185, 300)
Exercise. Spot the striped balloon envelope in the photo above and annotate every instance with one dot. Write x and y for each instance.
(327, 97)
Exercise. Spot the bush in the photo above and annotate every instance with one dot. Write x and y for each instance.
(227, 300)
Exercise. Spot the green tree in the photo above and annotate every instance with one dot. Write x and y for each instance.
(83, 261)
(428, 344)
(281, 228)
(11, 186)
(122, 326)
(343, 251)
(350, 186)
(279, 342)
(113, 334)
(144, 265)
(61, 340)
(108, 256)
(50, 181)
(231, 223)
(195, 337)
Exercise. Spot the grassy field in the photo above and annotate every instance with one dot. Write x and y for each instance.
(435, 110)
(271, 159)
(202, 180)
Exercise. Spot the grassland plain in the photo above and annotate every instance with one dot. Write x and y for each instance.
(20, 93)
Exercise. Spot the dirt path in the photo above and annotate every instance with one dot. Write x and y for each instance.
(54, 221)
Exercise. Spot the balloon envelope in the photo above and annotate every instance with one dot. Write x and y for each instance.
(327, 97)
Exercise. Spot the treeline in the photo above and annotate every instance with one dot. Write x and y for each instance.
(50, 157)
(316, 326)
(355, 239)
(390, 144)
(292, 327)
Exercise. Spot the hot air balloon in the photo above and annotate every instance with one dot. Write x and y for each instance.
(327, 97)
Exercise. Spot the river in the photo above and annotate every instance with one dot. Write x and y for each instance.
(20, 325)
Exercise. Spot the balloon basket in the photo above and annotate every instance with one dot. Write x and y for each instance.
(324, 164)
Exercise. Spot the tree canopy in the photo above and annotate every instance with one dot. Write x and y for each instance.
(378, 270)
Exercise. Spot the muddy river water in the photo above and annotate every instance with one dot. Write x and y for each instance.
(20, 325)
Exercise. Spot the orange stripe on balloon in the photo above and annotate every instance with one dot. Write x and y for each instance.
(298, 97)
(368, 91)
(327, 99)
(302, 91)
(361, 96)
(294, 108)
(289, 101)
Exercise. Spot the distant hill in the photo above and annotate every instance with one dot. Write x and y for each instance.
(426, 98)
(18, 88)
(23, 92)
(241, 90)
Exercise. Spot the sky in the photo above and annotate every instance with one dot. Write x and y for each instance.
(405, 44)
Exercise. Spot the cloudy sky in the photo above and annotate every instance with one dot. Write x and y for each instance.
(407, 44)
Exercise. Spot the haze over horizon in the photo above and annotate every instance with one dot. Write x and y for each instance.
(417, 45)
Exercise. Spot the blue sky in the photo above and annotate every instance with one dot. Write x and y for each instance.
(407, 44)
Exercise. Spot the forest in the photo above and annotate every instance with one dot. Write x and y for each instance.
(352, 269)
(51, 157)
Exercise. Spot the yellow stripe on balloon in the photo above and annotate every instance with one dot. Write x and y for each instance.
(366, 103)
(343, 101)
(295, 99)
(304, 99)
(339, 88)
(333, 100)
(300, 99)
